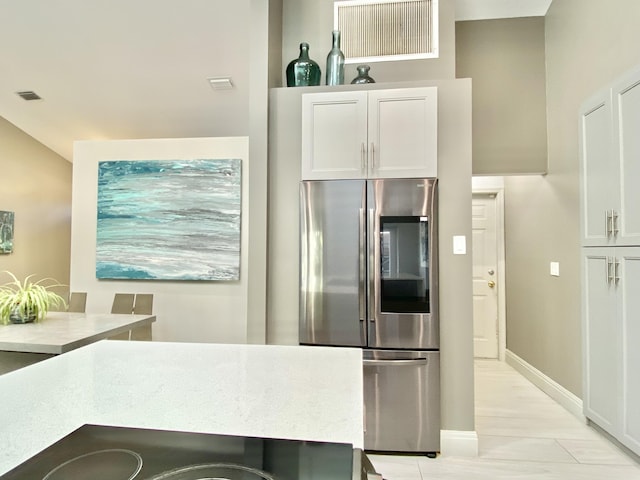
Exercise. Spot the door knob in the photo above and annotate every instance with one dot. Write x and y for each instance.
(491, 284)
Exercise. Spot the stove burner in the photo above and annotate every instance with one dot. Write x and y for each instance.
(214, 471)
(99, 452)
(110, 464)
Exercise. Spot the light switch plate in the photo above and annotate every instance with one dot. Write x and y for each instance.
(459, 245)
(554, 269)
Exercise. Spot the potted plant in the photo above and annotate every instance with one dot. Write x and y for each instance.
(27, 301)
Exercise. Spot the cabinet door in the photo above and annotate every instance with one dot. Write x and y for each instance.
(601, 339)
(599, 171)
(334, 135)
(626, 115)
(403, 133)
(629, 286)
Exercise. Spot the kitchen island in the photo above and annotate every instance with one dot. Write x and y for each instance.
(300, 393)
(61, 332)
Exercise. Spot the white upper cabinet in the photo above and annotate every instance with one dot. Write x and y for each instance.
(370, 134)
(599, 171)
(610, 165)
(626, 130)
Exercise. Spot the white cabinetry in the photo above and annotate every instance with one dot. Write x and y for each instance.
(612, 332)
(610, 165)
(370, 134)
(610, 210)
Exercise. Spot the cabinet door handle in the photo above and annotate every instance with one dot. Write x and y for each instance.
(373, 157)
(607, 223)
(609, 275)
(616, 271)
(614, 223)
(363, 158)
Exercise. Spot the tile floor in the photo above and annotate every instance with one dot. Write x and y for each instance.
(523, 434)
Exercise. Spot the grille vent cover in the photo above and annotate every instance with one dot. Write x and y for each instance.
(379, 30)
(29, 95)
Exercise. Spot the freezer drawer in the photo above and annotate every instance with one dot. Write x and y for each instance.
(402, 401)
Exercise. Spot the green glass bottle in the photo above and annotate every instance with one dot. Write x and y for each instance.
(363, 75)
(303, 72)
(335, 62)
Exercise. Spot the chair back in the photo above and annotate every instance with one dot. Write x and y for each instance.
(144, 304)
(123, 303)
(77, 302)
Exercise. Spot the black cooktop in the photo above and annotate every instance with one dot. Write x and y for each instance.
(95, 452)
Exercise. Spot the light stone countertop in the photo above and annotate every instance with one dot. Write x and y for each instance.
(62, 332)
(294, 392)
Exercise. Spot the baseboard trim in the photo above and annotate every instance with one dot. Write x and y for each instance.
(458, 443)
(564, 397)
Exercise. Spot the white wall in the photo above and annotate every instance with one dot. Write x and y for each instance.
(186, 311)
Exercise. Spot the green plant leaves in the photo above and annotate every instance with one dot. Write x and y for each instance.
(28, 297)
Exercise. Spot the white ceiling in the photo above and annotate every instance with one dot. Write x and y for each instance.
(486, 9)
(123, 68)
(138, 68)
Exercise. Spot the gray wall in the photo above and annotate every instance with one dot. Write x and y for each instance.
(587, 46)
(454, 172)
(506, 60)
(311, 21)
(36, 185)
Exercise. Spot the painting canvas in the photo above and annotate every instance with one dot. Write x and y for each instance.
(169, 219)
(6, 232)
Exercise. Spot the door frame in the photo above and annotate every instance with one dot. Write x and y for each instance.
(495, 186)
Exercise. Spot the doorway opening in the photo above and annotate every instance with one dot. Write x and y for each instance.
(489, 304)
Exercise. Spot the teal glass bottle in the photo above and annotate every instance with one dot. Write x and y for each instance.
(303, 71)
(335, 62)
(363, 75)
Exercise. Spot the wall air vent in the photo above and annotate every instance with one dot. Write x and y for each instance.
(29, 95)
(381, 30)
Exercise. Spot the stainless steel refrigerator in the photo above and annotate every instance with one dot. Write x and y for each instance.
(369, 278)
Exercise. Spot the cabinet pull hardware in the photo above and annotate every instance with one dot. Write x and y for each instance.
(614, 223)
(609, 276)
(373, 157)
(363, 156)
(616, 271)
(607, 223)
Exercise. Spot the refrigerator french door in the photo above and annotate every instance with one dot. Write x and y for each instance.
(368, 277)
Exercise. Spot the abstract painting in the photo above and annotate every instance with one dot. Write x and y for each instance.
(6, 232)
(169, 219)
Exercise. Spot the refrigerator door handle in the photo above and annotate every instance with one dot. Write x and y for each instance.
(361, 266)
(374, 275)
(395, 363)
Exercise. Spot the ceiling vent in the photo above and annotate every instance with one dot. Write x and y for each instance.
(29, 95)
(381, 30)
(220, 83)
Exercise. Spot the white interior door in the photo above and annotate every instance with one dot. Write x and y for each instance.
(485, 276)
